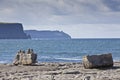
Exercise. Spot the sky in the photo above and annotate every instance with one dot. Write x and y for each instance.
(78, 18)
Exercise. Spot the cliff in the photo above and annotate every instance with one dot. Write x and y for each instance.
(46, 34)
(12, 31)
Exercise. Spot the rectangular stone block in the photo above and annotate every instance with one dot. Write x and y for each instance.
(98, 61)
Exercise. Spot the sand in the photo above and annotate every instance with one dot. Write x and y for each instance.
(58, 71)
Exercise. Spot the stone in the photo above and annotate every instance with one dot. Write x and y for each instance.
(87, 78)
(23, 58)
(98, 61)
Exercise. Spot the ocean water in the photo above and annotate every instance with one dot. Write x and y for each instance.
(60, 50)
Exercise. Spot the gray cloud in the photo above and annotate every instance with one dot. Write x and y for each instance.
(114, 5)
(55, 12)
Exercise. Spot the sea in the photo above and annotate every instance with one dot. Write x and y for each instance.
(71, 50)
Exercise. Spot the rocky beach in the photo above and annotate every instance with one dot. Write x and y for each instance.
(58, 71)
(26, 67)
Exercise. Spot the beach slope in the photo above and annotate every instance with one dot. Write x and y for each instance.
(58, 71)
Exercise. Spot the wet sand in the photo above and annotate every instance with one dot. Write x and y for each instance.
(58, 71)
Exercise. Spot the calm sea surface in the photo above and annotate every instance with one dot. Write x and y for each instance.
(60, 50)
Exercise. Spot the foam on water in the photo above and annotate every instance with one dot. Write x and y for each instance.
(4, 61)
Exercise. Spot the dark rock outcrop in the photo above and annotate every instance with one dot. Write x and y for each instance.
(12, 31)
(98, 61)
(23, 58)
(47, 34)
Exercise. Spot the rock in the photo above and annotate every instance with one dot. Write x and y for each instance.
(23, 58)
(98, 61)
(87, 78)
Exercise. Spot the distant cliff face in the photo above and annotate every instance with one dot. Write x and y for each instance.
(12, 31)
(47, 34)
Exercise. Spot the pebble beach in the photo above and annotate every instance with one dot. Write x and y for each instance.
(58, 71)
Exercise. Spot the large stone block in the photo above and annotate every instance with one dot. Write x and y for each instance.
(98, 61)
(23, 58)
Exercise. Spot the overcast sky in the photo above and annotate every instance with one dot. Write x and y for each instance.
(79, 18)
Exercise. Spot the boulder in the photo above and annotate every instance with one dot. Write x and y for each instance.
(98, 61)
(23, 58)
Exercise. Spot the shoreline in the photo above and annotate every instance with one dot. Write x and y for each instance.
(58, 71)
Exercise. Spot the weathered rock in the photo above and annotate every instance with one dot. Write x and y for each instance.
(87, 78)
(97, 61)
(23, 58)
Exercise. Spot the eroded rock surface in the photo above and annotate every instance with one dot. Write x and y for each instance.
(28, 58)
(98, 61)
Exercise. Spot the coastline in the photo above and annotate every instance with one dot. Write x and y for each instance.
(58, 71)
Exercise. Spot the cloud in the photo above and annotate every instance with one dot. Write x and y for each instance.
(79, 18)
(60, 12)
(113, 5)
(93, 30)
